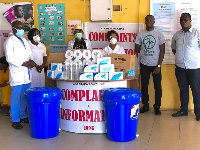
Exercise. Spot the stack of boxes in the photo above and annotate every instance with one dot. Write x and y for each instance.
(56, 71)
(103, 70)
(76, 66)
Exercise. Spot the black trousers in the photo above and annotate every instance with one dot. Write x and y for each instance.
(145, 72)
(186, 78)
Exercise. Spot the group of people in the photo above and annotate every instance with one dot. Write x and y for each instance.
(26, 61)
(80, 43)
(186, 48)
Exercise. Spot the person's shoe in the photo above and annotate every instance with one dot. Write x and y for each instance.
(197, 117)
(180, 113)
(144, 109)
(17, 125)
(157, 111)
(25, 120)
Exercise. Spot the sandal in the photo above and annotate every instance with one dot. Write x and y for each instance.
(17, 125)
(25, 120)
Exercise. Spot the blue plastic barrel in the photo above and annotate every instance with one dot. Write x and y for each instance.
(43, 109)
(121, 113)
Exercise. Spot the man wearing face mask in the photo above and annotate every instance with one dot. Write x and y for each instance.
(79, 42)
(39, 56)
(18, 55)
(150, 43)
(113, 47)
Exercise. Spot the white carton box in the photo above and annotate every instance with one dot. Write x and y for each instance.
(130, 73)
(50, 74)
(103, 60)
(56, 66)
(107, 68)
(91, 68)
(58, 75)
(86, 76)
(101, 76)
(115, 75)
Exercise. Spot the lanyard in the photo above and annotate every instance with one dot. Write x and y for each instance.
(25, 48)
(23, 43)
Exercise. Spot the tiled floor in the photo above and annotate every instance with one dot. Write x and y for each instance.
(155, 133)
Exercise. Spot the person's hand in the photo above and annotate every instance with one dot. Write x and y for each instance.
(39, 68)
(26, 63)
(157, 70)
(32, 64)
(103, 53)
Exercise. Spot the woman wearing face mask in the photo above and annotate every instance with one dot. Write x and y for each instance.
(79, 42)
(39, 56)
(113, 47)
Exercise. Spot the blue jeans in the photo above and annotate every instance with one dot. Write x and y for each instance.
(18, 102)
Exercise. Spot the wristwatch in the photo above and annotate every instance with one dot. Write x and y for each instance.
(159, 66)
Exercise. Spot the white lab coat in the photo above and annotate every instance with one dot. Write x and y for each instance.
(71, 44)
(38, 52)
(16, 54)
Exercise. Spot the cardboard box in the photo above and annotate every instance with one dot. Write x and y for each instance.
(107, 68)
(91, 68)
(101, 76)
(55, 58)
(103, 61)
(58, 75)
(116, 75)
(127, 72)
(50, 74)
(123, 61)
(57, 67)
(86, 76)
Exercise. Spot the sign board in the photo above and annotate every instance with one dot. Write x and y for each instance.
(82, 108)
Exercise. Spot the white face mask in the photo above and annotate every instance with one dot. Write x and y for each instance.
(36, 38)
(113, 41)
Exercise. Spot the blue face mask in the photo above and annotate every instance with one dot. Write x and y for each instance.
(19, 33)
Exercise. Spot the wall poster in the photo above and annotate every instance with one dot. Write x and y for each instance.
(51, 22)
(167, 20)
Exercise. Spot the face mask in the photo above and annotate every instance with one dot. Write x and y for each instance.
(20, 33)
(78, 35)
(113, 41)
(36, 38)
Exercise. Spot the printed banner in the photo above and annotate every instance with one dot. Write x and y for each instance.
(82, 108)
(127, 32)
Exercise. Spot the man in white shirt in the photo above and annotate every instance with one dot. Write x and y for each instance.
(79, 42)
(150, 43)
(186, 47)
(18, 55)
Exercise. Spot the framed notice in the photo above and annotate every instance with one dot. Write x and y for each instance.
(51, 22)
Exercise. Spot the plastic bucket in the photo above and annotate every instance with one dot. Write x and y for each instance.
(43, 109)
(121, 113)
